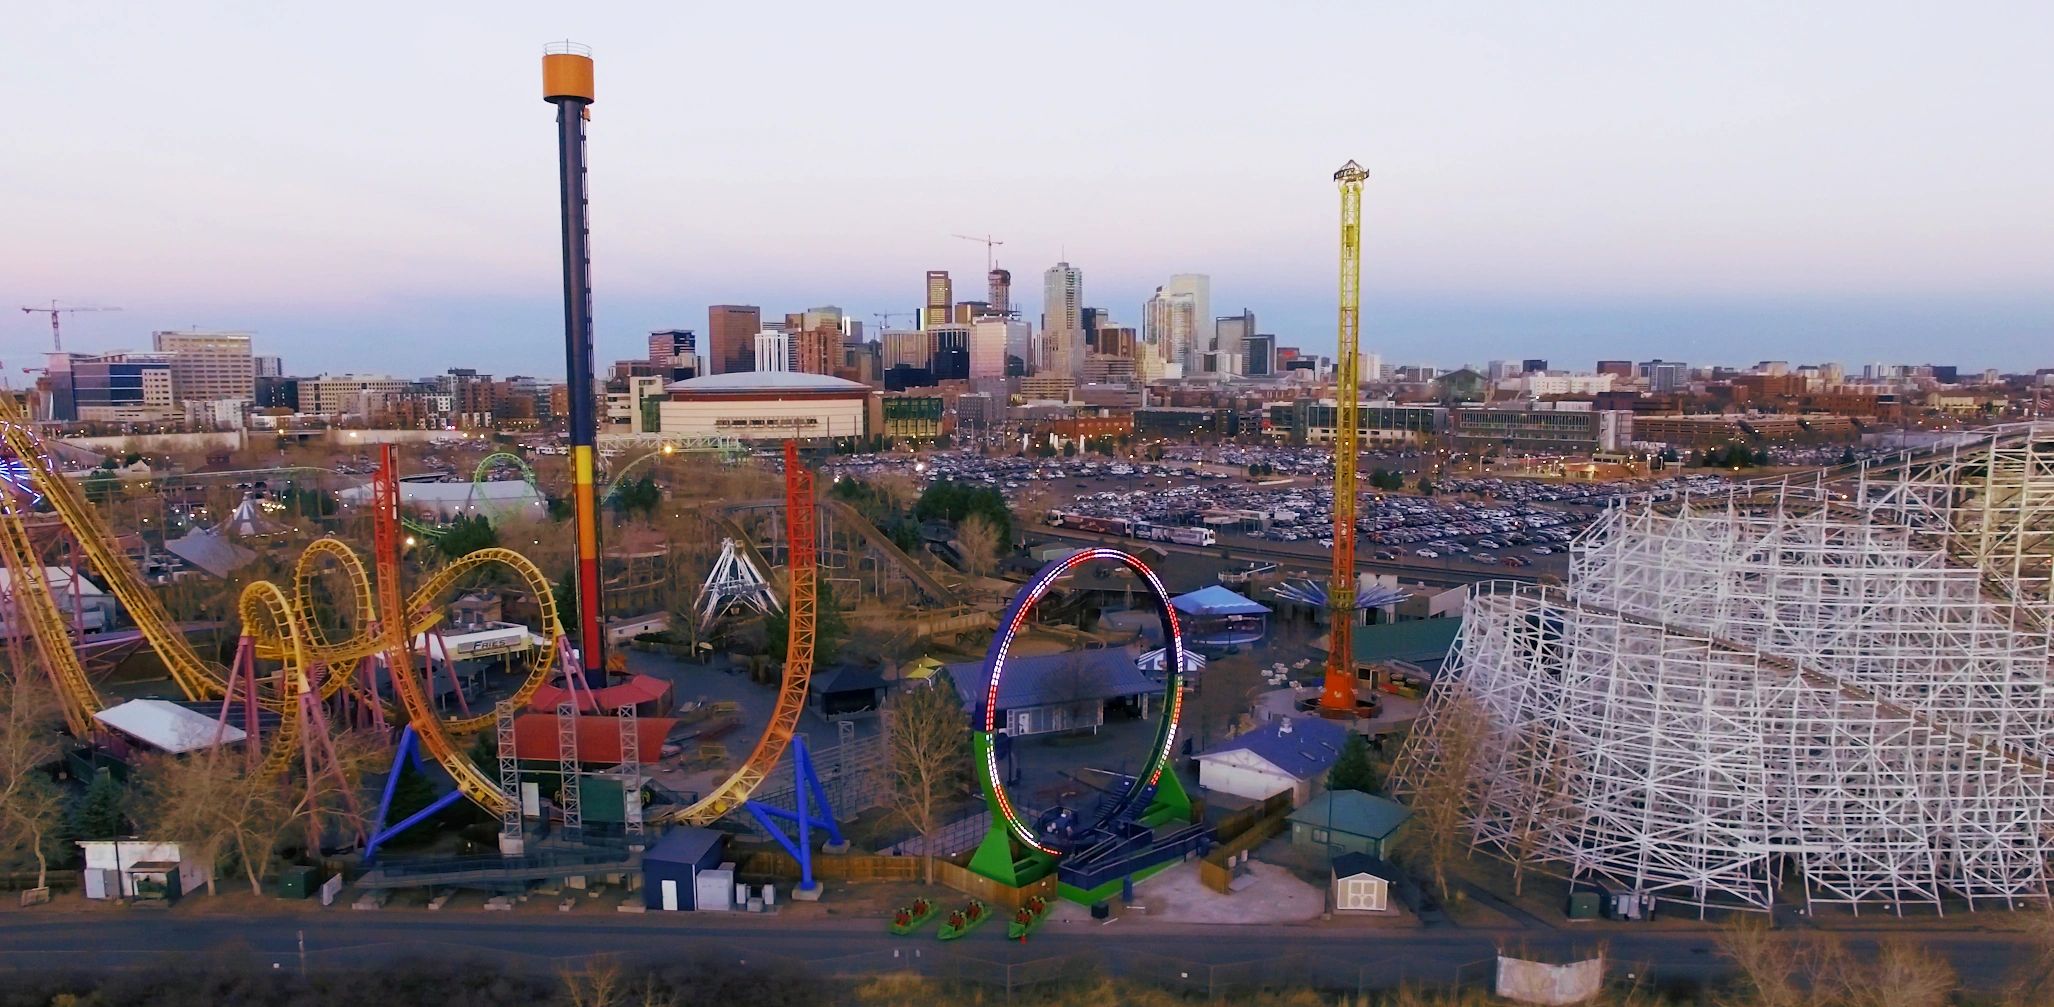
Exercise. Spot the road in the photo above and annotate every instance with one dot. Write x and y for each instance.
(1188, 954)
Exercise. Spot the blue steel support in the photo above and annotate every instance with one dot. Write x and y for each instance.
(807, 790)
(408, 752)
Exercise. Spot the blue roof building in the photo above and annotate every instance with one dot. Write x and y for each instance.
(1216, 616)
(1289, 754)
(1059, 692)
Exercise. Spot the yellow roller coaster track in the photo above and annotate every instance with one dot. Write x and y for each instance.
(277, 623)
(47, 629)
(281, 630)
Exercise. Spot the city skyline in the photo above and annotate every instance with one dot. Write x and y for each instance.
(1770, 185)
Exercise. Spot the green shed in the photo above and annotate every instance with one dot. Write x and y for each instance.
(1349, 821)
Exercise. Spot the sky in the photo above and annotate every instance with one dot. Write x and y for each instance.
(371, 186)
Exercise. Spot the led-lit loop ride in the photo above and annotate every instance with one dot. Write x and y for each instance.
(1061, 831)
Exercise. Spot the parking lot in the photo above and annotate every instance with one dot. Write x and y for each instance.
(1468, 522)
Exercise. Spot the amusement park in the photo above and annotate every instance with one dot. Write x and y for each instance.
(675, 671)
(764, 681)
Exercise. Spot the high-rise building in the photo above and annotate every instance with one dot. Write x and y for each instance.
(674, 353)
(1062, 319)
(349, 394)
(1260, 360)
(110, 387)
(826, 316)
(773, 351)
(269, 367)
(1230, 341)
(1090, 319)
(1533, 365)
(209, 366)
(1175, 317)
(1665, 375)
(909, 348)
(1000, 294)
(1116, 340)
(989, 338)
(470, 397)
(817, 350)
(939, 296)
(1616, 368)
(951, 351)
(731, 337)
(970, 311)
(1062, 298)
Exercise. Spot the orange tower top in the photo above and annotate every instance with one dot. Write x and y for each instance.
(567, 72)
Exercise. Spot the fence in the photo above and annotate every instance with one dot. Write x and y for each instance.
(991, 892)
(955, 837)
(1241, 821)
(830, 867)
(1214, 872)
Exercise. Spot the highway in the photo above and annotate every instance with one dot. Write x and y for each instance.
(1335, 955)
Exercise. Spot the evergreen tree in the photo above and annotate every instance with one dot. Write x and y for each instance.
(98, 815)
(1352, 771)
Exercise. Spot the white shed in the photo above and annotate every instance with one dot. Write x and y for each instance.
(1362, 883)
(140, 868)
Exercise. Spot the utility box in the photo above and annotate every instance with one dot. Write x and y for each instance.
(715, 890)
(1583, 905)
(295, 882)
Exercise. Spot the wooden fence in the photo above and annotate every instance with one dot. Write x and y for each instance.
(978, 886)
(779, 866)
(1252, 826)
(830, 867)
(1241, 821)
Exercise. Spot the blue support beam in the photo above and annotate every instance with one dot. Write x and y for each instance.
(408, 752)
(809, 793)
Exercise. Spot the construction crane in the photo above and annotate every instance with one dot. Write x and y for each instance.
(884, 318)
(1337, 697)
(56, 333)
(989, 242)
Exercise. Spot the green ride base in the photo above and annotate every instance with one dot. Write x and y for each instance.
(1004, 859)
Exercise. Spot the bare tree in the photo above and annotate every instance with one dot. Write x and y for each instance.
(1447, 761)
(977, 538)
(1904, 975)
(601, 984)
(211, 803)
(31, 805)
(1546, 808)
(928, 735)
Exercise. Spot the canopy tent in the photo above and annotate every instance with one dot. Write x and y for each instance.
(1216, 616)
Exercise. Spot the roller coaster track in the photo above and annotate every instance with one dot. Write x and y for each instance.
(804, 576)
(281, 629)
(36, 606)
(278, 624)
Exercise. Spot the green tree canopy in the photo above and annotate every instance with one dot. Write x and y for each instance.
(953, 501)
(1352, 771)
(468, 535)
